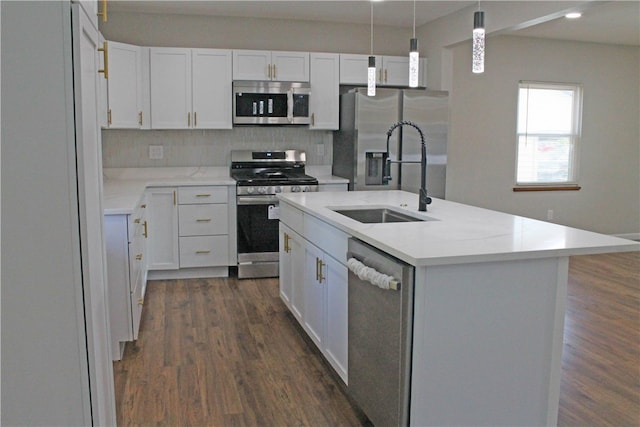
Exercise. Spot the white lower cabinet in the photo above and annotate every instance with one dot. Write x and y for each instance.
(163, 228)
(313, 284)
(127, 275)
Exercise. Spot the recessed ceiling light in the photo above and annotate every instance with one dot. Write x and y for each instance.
(573, 15)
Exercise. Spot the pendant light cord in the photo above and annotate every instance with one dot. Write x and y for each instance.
(371, 28)
(414, 19)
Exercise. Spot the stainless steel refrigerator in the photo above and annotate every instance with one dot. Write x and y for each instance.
(362, 138)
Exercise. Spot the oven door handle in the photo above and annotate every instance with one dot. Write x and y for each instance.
(257, 200)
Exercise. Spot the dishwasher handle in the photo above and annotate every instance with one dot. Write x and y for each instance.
(371, 275)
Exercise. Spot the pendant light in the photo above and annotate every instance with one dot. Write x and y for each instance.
(477, 59)
(371, 70)
(414, 56)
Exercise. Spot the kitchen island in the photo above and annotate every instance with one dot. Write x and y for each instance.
(489, 300)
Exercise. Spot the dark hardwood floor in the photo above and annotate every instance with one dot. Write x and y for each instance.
(226, 352)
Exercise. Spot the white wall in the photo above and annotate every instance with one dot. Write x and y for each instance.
(44, 355)
(481, 151)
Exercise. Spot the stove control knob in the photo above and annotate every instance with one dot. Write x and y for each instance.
(277, 189)
(262, 190)
(305, 189)
(251, 190)
(295, 189)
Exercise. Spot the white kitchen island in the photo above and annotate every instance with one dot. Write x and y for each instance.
(489, 303)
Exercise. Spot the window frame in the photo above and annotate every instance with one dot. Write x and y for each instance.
(574, 138)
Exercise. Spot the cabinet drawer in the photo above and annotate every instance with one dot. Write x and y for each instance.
(204, 251)
(203, 220)
(198, 195)
(292, 217)
(326, 237)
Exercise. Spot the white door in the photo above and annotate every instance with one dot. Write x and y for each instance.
(395, 70)
(162, 220)
(170, 74)
(336, 337)
(125, 85)
(89, 165)
(325, 91)
(211, 88)
(314, 294)
(290, 66)
(252, 65)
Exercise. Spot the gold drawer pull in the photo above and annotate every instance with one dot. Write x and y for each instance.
(140, 301)
(203, 220)
(146, 230)
(143, 206)
(139, 257)
(203, 195)
(203, 252)
(137, 220)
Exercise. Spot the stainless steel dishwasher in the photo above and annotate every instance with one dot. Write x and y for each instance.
(380, 333)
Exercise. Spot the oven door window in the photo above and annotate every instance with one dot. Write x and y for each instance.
(256, 232)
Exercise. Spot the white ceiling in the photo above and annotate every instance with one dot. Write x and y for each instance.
(615, 22)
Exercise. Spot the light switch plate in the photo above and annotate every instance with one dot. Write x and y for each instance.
(156, 152)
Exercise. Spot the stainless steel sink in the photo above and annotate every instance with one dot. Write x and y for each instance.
(378, 215)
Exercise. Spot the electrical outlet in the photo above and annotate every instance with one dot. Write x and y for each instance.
(549, 214)
(156, 152)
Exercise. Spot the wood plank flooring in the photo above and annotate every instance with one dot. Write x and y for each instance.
(226, 352)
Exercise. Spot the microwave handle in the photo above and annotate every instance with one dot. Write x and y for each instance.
(290, 105)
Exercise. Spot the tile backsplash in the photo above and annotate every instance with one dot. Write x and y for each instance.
(124, 148)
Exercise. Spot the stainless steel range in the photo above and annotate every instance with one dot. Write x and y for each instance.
(260, 175)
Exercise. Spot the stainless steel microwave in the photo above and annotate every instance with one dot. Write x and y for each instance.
(271, 103)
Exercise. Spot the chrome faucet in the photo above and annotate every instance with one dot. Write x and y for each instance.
(424, 199)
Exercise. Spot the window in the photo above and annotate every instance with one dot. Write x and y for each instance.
(548, 134)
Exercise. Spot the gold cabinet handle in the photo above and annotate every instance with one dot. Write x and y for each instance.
(140, 301)
(136, 221)
(140, 118)
(274, 72)
(203, 195)
(103, 14)
(109, 117)
(269, 70)
(203, 252)
(203, 220)
(385, 75)
(174, 198)
(380, 75)
(189, 119)
(317, 269)
(320, 276)
(146, 230)
(287, 248)
(313, 119)
(105, 55)
(195, 119)
(139, 257)
(142, 206)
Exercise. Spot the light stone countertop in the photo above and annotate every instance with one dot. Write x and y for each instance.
(124, 187)
(457, 233)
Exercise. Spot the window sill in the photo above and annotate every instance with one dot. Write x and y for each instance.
(520, 188)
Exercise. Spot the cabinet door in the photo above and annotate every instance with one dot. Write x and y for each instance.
(395, 70)
(286, 279)
(292, 277)
(422, 74)
(103, 98)
(162, 220)
(290, 66)
(314, 294)
(336, 337)
(125, 85)
(251, 65)
(353, 68)
(212, 88)
(145, 117)
(170, 75)
(325, 91)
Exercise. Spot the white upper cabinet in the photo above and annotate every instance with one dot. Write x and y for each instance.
(325, 91)
(124, 85)
(390, 70)
(190, 88)
(267, 65)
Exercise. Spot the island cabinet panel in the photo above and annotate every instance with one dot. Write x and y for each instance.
(488, 338)
(292, 271)
(313, 284)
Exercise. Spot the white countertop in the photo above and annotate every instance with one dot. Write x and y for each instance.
(124, 187)
(458, 233)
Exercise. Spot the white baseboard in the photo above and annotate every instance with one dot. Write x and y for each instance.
(188, 273)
